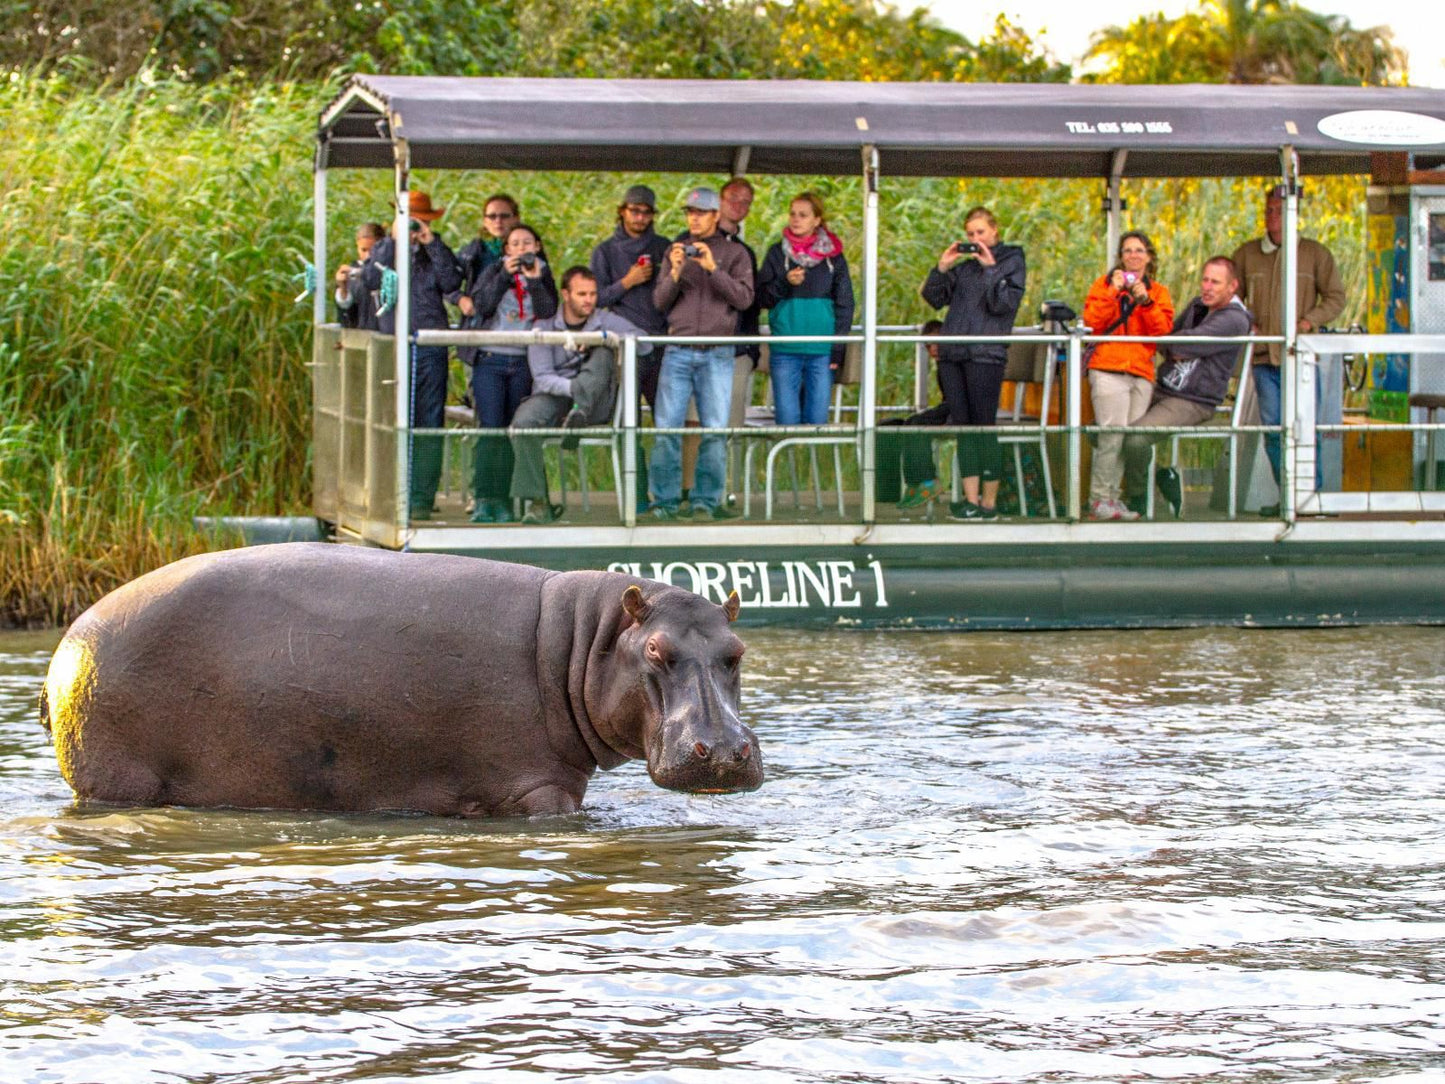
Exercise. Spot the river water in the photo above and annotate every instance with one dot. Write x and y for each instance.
(1178, 855)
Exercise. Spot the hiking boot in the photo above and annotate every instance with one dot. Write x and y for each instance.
(575, 420)
(965, 511)
(541, 512)
(1167, 479)
(918, 495)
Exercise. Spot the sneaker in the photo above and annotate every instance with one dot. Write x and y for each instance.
(483, 512)
(988, 511)
(1137, 505)
(966, 511)
(1102, 509)
(1124, 512)
(575, 420)
(722, 511)
(502, 512)
(697, 510)
(1167, 479)
(540, 512)
(664, 512)
(918, 495)
(419, 511)
(1269, 511)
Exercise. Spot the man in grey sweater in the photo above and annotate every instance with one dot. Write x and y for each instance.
(707, 283)
(1193, 379)
(571, 387)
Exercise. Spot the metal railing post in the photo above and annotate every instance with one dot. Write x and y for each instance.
(318, 244)
(629, 431)
(1076, 416)
(868, 381)
(1289, 361)
(402, 338)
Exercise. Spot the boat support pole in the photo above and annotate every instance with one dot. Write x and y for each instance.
(1297, 381)
(318, 239)
(402, 338)
(1075, 408)
(868, 385)
(629, 431)
(1114, 207)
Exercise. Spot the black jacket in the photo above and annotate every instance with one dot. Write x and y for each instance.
(434, 274)
(489, 289)
(981, 301)
(612, 259)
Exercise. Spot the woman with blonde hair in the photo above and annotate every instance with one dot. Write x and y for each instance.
(805, 286)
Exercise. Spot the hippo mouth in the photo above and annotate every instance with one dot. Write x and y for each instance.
(686, 763)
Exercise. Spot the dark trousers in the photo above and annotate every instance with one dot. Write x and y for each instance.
(971, 390)
(649, 368)
(593, 393)
(914, 450)
(428, 411)
(499, 384)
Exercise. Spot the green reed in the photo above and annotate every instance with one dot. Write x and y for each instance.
(153, 361)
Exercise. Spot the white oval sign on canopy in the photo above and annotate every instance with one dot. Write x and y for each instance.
(1388, 127)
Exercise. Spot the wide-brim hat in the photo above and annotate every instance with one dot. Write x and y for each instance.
(418, 205)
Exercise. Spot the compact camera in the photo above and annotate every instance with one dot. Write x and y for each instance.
(690, 249)
(527, 260)
(1129, 279)
(415, 226)
(966, 246)
(644, 260)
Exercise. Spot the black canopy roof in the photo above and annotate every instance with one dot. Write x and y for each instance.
(933, 129)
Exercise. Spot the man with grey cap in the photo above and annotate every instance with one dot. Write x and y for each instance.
(705, 284)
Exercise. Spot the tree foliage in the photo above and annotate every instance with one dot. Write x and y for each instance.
(202, 40)
(1247, 41)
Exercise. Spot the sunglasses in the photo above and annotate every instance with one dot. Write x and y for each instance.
(497, 216)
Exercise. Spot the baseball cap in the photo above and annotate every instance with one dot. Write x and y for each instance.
(702, 199)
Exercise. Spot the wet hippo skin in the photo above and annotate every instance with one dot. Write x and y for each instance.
(314, 676)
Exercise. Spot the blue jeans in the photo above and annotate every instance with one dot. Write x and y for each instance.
(499, 384)
(1271, 400)
(802, 385)
(704, 373)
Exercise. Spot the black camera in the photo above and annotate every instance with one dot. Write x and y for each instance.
(527, 260)
(690, 249)
(966, 246)
(415, 226)
(1057, 312)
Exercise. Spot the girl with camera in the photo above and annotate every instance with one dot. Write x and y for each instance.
(981, 281)
(511, 294)
(805, 285)
(1126, 301)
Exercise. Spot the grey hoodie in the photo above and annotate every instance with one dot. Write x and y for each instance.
(553, 367)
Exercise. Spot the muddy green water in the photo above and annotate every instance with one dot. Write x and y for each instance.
(1160, 856)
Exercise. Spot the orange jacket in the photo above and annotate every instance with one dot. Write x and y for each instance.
(1101, 309)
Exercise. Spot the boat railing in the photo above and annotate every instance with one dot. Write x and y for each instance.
(1060, 425)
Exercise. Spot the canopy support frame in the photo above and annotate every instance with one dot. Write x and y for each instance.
(401, 228)
(1114, 206)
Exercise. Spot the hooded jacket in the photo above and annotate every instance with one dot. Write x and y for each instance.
(981, 301)
(822, 304)
(1200, 372)
(1103, 308)
(554, 367)
(612, 259)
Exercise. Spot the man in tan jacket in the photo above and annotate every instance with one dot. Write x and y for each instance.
(1320, 297)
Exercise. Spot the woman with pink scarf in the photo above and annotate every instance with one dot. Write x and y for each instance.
(804, 283)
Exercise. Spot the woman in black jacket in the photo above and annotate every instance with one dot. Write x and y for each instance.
(981, 281)
(510, 294)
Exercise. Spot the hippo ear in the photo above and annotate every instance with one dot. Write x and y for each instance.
(732, 605)
(633, 604)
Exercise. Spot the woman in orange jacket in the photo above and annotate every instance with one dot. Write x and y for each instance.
(1126, 301)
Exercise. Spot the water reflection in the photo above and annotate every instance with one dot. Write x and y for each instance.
(1093, 856)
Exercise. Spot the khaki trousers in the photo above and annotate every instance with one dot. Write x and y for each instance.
(1164, 410)
(1119, 399)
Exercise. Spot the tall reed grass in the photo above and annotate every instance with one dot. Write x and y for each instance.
(152, 360)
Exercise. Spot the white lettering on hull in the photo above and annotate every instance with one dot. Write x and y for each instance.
(786, 585)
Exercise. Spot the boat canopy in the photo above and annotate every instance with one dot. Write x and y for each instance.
(918, 129)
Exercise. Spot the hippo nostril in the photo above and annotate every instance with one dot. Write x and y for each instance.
(701, 750)
(745, 752)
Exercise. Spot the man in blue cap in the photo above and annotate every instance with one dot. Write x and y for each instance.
(707, 282)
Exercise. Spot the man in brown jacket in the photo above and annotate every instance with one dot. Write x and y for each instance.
(1320, 294)
(707, 283)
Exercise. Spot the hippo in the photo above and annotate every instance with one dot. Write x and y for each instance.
(335, 677)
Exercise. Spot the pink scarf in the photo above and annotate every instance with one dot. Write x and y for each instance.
(820, 245)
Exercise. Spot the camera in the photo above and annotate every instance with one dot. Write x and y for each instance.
(690, 249)
(527, 260)
(644, 260)
(1129, 279)
(415, 225)
(966, 246)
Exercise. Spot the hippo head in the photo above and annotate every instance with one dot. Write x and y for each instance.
(688, 661)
